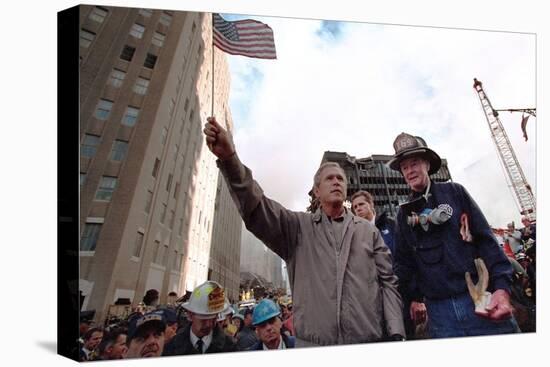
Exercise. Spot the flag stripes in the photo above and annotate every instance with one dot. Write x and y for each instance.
(244, 37)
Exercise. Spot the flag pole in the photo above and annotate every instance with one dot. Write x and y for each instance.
(213, 50)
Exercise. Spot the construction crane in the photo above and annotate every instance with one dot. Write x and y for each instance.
(519, 184)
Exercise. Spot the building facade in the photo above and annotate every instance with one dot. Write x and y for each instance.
(259, 265)
(388, 187)
(225, 252)
(148, 182)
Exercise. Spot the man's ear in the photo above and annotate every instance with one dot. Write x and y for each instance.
(316, 192)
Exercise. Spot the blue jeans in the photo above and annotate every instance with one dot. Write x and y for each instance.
(452, 317)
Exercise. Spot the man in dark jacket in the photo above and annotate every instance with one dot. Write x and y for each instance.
(362, 205)
(440, 231)
(246, 337)
(202, 335)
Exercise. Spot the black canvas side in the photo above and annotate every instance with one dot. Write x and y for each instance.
(68, 304)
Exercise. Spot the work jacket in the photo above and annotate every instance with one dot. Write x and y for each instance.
(181, 343)
(436, 259)
(386, 226)
(246, 338)
(342, 292)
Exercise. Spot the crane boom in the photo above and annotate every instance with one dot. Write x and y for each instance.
(522, 189)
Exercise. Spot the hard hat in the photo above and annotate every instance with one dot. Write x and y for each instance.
(238, 316)
(228, 311)
(264, 311)
(207, 300)
(285, 301)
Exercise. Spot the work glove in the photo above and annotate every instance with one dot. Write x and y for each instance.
(478, 292)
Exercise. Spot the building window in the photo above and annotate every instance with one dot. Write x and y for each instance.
(106, 188)
(164, 254)
(148, 201)
(158, 39)
(82, 179)
(138, 245)
(165, 19)
(103, 109)
(180, 231)
(86, 38)
(98, 14)
(127, 53)
(146, 12)
(171, 106)
(182, 125)
(156, 167)
(141, 86)
(171, 219)
(163, 135)
(130, 117)
(193, 27)
(156, 254)
(169, 182)
(89, 145)
(163, 214)
(116, 78)
(176, 190)
(137, 30)
(175, 152)
(150, 61)
(88, 241)
(120, 148)
(175, 265)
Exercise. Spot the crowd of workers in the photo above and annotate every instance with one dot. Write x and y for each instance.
(206, 323)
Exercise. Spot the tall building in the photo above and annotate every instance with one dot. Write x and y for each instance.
(148, 181)
(260, 263)
(371, 174)
(225, 252)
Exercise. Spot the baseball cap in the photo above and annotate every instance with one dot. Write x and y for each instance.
(138, 324)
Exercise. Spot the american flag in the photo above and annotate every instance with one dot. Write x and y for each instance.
(244, 37)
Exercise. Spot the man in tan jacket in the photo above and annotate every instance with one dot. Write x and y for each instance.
(343, 286)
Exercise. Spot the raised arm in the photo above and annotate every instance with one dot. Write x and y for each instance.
(268, 220)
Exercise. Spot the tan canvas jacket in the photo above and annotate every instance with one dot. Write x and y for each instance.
(342, 293)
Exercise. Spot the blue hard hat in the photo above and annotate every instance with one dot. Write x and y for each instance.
(264, 311)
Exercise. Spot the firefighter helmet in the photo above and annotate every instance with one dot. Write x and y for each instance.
(207, 300)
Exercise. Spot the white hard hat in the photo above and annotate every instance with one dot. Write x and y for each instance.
(228, 311)
(207, 300)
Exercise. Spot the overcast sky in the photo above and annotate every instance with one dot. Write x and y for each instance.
(353, 87)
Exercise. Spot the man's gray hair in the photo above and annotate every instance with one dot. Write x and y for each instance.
(317, 177)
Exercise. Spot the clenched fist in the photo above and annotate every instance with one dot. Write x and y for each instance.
(219, 140)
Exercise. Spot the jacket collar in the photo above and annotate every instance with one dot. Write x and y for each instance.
(318, 215)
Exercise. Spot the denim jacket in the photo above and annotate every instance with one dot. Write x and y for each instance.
(437, 259)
